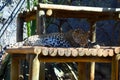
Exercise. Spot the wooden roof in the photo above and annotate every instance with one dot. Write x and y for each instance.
(66, 11)
(66, 52)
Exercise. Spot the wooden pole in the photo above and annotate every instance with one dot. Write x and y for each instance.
(40, 20)
(14, 68)
(115, 67)
(19, 34)
(93, 39)
(82, 71)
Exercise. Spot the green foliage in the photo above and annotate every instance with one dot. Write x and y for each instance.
(29, 28)
(33, 27)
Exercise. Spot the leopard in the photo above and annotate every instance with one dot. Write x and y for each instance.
(72, 38)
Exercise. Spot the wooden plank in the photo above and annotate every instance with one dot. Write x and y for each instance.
(69, 14)
(92, 71)
(114, 73)
(40, 21)
(93, 39)
(75, 59)
(20, 22)
(82, 71)
(78, 8)
(42, 71)
(30, 60)
(14, 68)
(24, 50)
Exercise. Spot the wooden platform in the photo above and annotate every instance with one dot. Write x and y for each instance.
(80, 55)
(47, 54)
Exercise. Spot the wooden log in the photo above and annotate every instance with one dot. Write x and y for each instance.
(74, 52)
(45, 51)
(100, 52)
(67, 52)
(114, 74)
(93, 52)
(110, 52)
(52, 52)
(86, 51)
(35, 68)
(117, 50)
(77, 8)
(92, 71)
(37, 50)
(60, 51)
(80, 52)
(105, 53)
(49, 12)
(93, 39)
(40, 21)
(23, 50)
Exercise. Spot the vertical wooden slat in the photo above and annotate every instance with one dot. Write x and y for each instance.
(19, 34)
(92, 71)
(82, 71)
(14, 68)
(93, 39)
(115, 67)
(40, 22)
(30, 58)
(42, 71)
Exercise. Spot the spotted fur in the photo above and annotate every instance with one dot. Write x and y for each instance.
(72, 38)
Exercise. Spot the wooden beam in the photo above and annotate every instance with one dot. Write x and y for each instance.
(115, 67)
(93, 39)
(75, 59)
(19, 33)
(14, 68)
(77, 8)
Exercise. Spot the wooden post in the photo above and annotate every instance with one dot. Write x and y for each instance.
(82, 71)
(20, 22)
(115, 67)
(40, 21)
(42, 71)
(30, 58)
(19, 34)
(93, 39)
(14, 68)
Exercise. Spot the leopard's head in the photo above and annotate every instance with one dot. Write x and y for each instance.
(80, 37)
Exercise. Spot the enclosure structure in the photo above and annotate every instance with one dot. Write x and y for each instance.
(81, 55)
